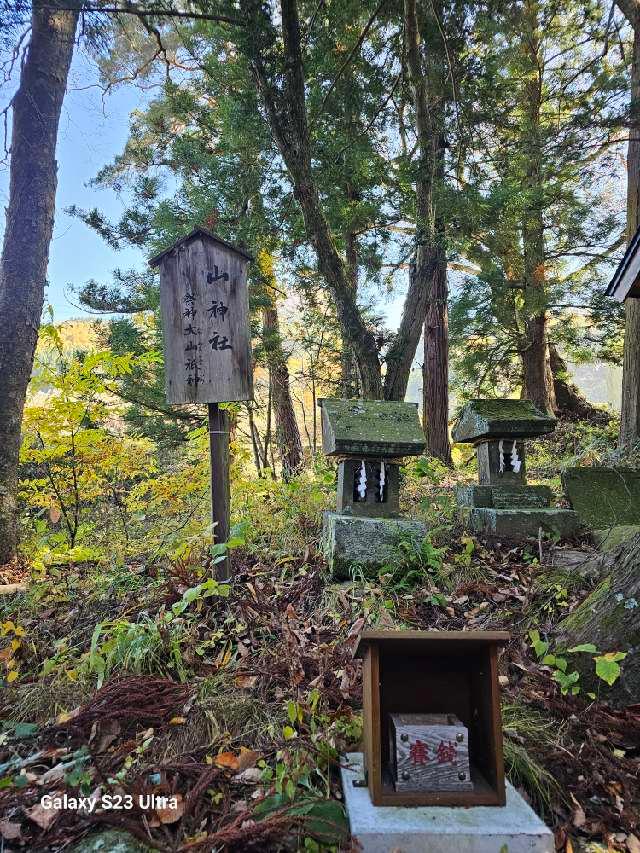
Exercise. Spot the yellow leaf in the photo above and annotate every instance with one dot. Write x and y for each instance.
(6, 627)
(177, 721)
(20, 631)
(12, 676)
(15, 645)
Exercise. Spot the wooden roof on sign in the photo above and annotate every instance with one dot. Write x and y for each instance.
(203, 234)
(407, 641)
(626, 279)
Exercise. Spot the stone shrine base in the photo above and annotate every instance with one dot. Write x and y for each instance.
(441, 829)
(521, 523)
(354, 541)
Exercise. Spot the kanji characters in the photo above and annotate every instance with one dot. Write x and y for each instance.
(419, 752)
(446, 752)
(211, 278)
(218, 309)
(219, 342)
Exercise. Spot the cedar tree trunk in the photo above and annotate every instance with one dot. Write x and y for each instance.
(287, 432)
(570, 403)
(630, 412)
(537, 378)
(426, 302)
(608, 618)
(29, 226)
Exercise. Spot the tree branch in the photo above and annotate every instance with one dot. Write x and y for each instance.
(152, 11)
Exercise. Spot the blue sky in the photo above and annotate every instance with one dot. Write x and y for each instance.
(92, 130)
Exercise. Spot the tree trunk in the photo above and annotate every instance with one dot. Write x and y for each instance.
(630, 412)
(285, 108)
(402, 351)
(426, 303)
(570, 403)
(608, 618)
(537, 378)
(287, 432)
(348, 373)
(29, 226)
(435, 371)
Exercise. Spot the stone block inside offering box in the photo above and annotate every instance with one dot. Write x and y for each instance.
(429, 752)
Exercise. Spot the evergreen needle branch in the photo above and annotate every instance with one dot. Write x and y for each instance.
(152, 12)
(352, 53)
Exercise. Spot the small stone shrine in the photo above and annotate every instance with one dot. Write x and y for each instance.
(502, 504)
(369, 439)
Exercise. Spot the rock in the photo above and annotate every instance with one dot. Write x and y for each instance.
(371, 427)
(482, 420)
(609, 540)
(109, 841)
(604, 497)
(365, 543)
(610, 619)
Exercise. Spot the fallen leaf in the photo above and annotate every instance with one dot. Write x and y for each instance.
(226, 759)
(578, 817)
(245, 681)
(10, 831)
(41, 816)
(177, 721)
(251, 776)
(65, 716)
(633, 843)
(247, 758)
(108, 732)
(169, 815)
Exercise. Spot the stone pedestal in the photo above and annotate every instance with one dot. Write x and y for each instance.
(522, 523)
(366, 543)
(514, 827)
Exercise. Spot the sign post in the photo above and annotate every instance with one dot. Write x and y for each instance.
(207, 343)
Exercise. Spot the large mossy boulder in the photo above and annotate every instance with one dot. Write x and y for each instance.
(604, 498)
(610, 619)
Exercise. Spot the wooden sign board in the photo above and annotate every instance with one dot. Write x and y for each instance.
(205, 314)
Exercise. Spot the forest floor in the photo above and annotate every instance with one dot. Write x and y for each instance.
(239, 699)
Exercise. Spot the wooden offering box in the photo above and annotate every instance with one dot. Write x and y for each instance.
(429, 752)
(452, 674)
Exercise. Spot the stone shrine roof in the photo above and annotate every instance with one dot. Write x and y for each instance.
(482, 420)
(370, 428)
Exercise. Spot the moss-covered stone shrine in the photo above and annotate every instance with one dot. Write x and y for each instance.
(368, 438)
(502, 504)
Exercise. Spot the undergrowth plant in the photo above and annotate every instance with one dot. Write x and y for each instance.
(607, 664)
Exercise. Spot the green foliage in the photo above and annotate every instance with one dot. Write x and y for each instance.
(607, 667)
(416, 564)
(525, 727)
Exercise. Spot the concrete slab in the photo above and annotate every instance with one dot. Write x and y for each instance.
(514, 828)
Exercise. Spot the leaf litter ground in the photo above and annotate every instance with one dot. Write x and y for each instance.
(247, 745)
